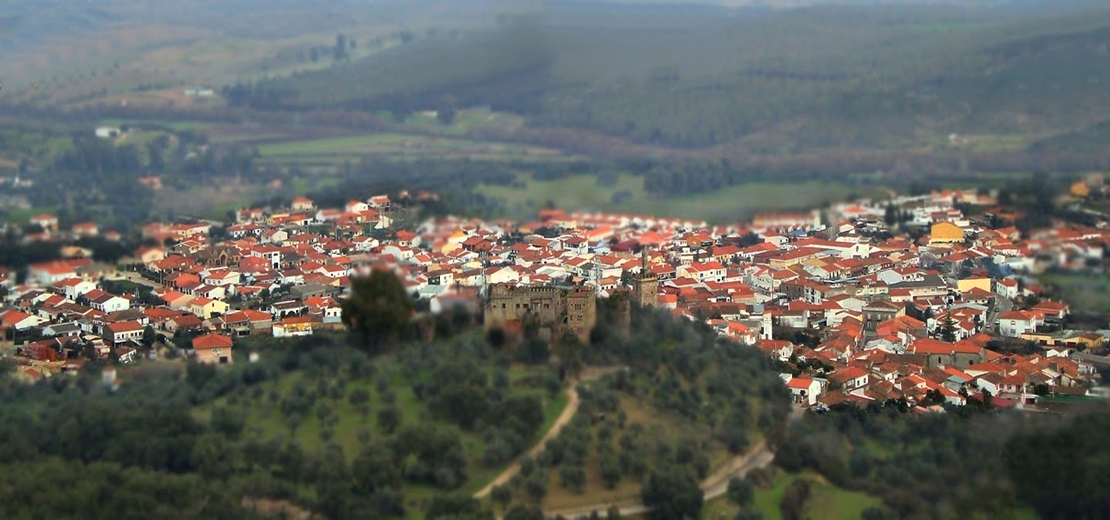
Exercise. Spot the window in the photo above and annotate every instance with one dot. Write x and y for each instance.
(547, 305)
(503, 305)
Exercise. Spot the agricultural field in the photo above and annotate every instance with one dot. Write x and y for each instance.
(1087, 293)
(827, 502)
(724, 205)
(336, 150)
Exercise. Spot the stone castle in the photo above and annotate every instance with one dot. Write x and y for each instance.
(555, 310)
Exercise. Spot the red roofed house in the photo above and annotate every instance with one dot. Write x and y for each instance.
(805, 390)
(213, 349)
(45, 221)
(1015, 323)
(49, 273)
(851, 378)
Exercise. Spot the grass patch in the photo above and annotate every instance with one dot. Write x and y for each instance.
(575, 192)
(828, 502)
(1087, 293)
(23, 216)
(465, 121)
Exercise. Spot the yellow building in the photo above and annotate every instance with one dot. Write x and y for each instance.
(1080, 190)
(205, 308)
(945, 233)
(968, 284)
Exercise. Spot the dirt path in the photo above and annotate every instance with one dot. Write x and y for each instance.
(759, 456)
(588, 374)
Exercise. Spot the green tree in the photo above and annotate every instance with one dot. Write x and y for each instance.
(379, 310)
(573, 478)
(948, 329)
(455, 506)
(447, 110)
(389, 419)
(672, 493)
(523, 512)
(794, 499)
(501, 494)
(740, 491)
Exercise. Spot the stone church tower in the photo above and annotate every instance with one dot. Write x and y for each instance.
(645, 284)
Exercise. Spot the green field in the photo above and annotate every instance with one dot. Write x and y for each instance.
(1087, 293)
(725, 205)
(22, 216)
(828, 502)
(335, 150)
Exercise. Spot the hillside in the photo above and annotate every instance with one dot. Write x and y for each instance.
(350, 428)
(763, 81)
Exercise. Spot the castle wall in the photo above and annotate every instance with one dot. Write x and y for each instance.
(552, 307)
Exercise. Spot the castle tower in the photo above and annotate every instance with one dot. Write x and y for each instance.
(645, 284)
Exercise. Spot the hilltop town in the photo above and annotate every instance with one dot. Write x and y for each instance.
(910, 298)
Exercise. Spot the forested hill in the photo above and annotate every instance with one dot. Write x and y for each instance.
(763, 81)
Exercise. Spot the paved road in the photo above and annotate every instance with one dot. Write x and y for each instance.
(1002, 305)
(760, 456)
(563, 420)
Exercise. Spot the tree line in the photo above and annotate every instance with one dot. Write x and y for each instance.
(939, 465)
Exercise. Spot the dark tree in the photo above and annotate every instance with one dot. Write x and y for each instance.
(447, 110)
(672, 493)
(523, 512)
(794, 500)
(454, 506)
(740, 491)
(389, 419)
(379, 310)
(502, 494)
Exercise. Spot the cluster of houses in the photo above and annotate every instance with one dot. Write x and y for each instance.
(885, 313)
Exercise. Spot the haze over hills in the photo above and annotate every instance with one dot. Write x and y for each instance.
(766, 82)
(677, 75)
